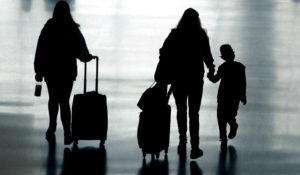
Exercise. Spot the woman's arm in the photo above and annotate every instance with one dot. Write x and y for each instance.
(84, 54)
(215, 78)
(208, 58)
(40, 53)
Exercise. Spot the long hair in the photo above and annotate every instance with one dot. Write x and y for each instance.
(189, 21)
(62, 14)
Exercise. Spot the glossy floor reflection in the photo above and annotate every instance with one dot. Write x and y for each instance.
(126, 35)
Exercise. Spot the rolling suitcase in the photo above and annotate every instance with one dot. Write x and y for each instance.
(89, 113)
(154, 125)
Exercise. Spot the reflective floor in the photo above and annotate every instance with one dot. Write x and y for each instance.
(126, 35)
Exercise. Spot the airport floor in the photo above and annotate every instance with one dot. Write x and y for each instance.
(126, 35)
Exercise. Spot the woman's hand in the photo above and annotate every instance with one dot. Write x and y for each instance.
(89, 57)
(38, 77)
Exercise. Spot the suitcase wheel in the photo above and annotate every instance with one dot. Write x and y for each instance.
(102, 142)
(75, 148)
(75, 142)
(166, 150)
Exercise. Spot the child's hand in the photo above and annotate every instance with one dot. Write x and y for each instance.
(211, 72)
(210, 75)
(244, 100)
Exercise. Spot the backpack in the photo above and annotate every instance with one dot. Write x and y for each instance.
(166, 67)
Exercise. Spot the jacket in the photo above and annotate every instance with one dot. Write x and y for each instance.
(57, 49)
(186, 54)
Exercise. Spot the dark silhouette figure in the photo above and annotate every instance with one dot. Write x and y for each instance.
(155, 167)
(59, 44)
(227, 169)
(232, 90)
(195, 169)
(185, 51)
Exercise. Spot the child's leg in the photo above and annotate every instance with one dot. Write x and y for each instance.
(232, 121)
(221, 115)
(233, 130)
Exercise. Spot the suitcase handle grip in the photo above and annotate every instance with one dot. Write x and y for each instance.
(85, 67)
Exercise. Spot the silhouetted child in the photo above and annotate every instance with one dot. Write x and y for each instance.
(232, 90)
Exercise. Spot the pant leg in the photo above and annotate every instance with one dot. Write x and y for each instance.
(52, 104)
(232, 113)
(180, 96)
(222, 121)
(65, 110)
(194, 100)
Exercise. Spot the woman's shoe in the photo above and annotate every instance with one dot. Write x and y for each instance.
(50, 136)
(68, 140)
(50, 133)
(181, 149)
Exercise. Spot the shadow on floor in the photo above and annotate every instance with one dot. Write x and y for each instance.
(229, 167)
(195, 169)
(88, 160)
(78, 161)
(51, 165)
(155, 166)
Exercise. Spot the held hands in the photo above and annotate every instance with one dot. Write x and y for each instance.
(210, 74)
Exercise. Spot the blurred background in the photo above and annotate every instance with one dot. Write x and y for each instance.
(127, 35)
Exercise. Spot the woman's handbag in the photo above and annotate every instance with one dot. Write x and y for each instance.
(164, 73)
(153, 97)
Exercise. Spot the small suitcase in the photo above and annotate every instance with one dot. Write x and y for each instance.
(154, 127)
(89, 114)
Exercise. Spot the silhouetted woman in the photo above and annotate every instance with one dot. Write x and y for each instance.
(59, 44)
(187, 49)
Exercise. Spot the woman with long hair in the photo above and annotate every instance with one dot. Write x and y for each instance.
(60, 44)
(186, 49)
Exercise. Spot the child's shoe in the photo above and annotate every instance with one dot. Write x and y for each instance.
(233, 130)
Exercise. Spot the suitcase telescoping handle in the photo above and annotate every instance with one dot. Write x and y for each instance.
(85, 65)
(169, 93)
